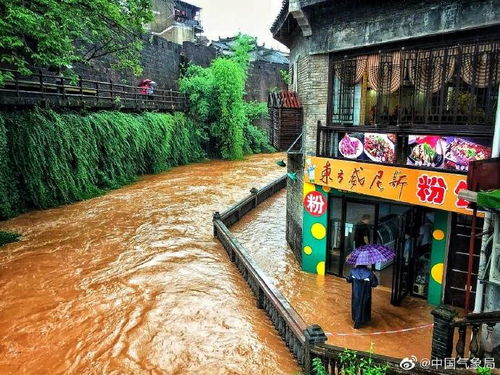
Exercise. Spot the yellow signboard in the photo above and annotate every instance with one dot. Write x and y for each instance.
(413, 186)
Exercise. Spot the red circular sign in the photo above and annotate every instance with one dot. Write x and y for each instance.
(315, 203)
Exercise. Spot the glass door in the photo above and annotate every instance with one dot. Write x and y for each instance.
(334, 254)
(359, 228)
(404, 248)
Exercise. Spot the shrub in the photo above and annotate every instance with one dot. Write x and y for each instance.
(8, 237)
(216, 103)
(51, 158)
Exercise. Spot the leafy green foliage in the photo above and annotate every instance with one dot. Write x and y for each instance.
(229, 87)
(8, 237)
(318, 367)
(216, 96)
(9, 194)
(55, 158)
(484, 371)
(59, 33)
(285, 76)
(241, 51)
(351, 364)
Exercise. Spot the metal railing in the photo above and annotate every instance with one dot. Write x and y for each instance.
(47, 89)
(304, 341)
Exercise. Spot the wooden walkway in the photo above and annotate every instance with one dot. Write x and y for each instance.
(57, 91)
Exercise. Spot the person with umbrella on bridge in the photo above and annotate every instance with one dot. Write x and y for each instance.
(363, 280)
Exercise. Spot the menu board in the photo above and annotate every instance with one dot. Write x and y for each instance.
(377, 147)
(453, 153)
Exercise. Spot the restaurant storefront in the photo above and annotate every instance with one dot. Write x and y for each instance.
(402, 126)
(407, 209)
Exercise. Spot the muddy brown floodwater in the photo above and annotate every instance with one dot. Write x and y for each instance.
(326, 300)
(133, 282)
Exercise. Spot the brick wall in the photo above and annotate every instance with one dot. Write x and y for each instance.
(312, 88)
(294, 204)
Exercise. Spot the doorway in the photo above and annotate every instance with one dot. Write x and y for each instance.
(345, 216)
(405, 229)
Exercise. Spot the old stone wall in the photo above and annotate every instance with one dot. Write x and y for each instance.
(262, 77)
(294, 204)
(198, 54)
(363, 23)
(162, 62)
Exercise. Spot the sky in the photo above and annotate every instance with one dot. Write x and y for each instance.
(228, 17)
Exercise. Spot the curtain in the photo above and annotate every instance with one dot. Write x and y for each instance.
(350, 71)
(480, 65)
(360, 68)
(384, 72)
(429, 70)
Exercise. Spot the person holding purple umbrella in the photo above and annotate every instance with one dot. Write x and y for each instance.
(363, 279)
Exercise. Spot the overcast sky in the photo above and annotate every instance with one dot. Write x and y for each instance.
(228, 17)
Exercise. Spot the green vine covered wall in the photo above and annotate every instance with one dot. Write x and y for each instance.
(48, 159)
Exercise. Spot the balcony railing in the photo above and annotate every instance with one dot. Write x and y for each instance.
(451, 85)
(475, 344)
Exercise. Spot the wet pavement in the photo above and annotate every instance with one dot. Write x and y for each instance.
(325, 300)
(133, 282)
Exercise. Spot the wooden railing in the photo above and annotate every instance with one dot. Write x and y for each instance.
(304, 341)
(46, 89)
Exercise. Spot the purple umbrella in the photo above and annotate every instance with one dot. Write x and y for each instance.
(370, 254)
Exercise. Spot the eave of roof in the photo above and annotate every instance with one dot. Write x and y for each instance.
(280, 19)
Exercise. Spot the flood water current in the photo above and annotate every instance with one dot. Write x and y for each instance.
(133, 282)
(397, 331)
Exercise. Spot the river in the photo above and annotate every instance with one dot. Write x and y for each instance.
(133, 282)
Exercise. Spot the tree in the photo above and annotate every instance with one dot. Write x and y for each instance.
(216, 96)
(59, 33)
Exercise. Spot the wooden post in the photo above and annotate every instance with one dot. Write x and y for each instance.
(314, 335)
(80, 85)
(16, 82)
(63, 89)
(41, 82)
(111, 90)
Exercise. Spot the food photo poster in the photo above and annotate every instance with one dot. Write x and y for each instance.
(452, 153)
(377, 147)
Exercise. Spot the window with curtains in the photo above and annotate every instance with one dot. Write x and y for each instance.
(455, 85)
